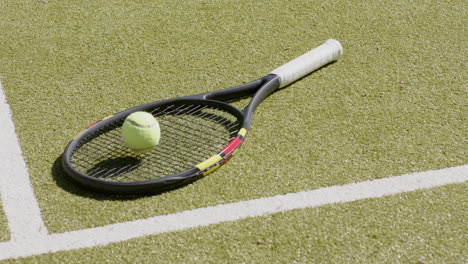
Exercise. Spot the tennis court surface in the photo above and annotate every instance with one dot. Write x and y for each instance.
(362, 161)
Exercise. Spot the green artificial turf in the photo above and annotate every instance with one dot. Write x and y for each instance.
(394, 103)
(4, 229)
(419, 227)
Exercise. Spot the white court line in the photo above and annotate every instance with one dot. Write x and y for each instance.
(29, 234)
(16, 193)
(230, 212)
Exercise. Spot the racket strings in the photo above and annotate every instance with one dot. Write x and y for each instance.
(192, 110)
(181, 129)
(190, 134)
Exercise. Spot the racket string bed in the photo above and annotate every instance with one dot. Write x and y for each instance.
(196, 126)
(193, 133)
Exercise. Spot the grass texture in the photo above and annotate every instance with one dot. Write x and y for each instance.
(4, 229)
(416, 227)
(395, 103)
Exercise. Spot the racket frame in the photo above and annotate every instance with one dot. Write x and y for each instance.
(258, 89)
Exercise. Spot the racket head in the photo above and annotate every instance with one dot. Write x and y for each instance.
(98, 158)
(197, 136)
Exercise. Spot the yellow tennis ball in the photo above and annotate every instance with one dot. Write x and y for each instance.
(141, 132)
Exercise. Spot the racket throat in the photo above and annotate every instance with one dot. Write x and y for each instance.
(240, 91)
(270, 85)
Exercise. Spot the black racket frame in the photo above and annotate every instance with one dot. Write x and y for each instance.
(259, 89)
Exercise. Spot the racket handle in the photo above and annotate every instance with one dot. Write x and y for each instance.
(299, 67)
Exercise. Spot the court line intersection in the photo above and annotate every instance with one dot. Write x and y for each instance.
(29, 235)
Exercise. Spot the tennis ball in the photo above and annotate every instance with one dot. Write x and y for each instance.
(141, 132)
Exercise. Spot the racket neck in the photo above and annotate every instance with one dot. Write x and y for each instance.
(270, 84)
(236, 92)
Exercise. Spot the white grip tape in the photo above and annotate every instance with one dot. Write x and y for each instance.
(290, 72)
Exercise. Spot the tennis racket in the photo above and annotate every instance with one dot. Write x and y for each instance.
(199, 133)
